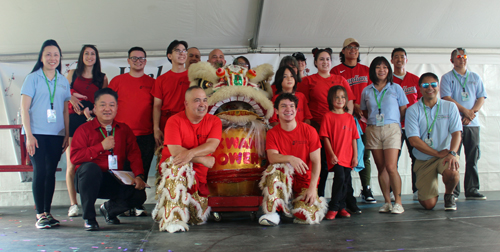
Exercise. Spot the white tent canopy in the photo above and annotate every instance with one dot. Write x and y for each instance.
(246, 25)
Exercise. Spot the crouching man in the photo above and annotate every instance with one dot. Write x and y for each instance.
(293, 149)
(190, 137)
(433, 127)
(98, 146)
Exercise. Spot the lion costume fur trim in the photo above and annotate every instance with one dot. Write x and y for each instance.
(258, 96)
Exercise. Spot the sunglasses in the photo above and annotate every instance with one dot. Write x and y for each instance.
(461, 56)
(432, 84)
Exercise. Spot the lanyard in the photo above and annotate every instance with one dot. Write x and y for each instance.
(103, 132)
(429, 129)
(54, 93)
(381, 98)
(466, 78)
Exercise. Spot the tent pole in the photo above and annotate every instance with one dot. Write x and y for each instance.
(254, 42)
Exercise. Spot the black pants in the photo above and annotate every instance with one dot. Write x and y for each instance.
(91, 183)
(323, 176)
(44, 162)
(470, 141)
(412, 157)
(147, 146)
(341, 184)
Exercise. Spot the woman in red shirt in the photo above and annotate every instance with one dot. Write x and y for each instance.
(84, 81)
(285, 81)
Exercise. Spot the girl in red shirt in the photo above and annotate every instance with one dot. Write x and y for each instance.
(285, 81)
(339, 133)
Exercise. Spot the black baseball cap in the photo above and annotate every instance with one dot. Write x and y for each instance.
(299, 56)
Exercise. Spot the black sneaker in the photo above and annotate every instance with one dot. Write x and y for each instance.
(475, 196)
(42, 223)
(367, 196)
(52, 220)
(354, 209)
(449, 202)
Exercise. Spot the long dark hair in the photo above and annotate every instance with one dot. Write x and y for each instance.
(376, 62)
(97, 75)
(278, 79)
(39, 63)
(290, 60)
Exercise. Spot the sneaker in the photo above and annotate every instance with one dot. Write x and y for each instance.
(42, 223)
(397, 209)
(270, 219)
(330, 215)
(387, 207)
(343, 213)
(392, 197)
(415, 196)
(140, 211)
(475, 196)
(449, 202)
(354, 210)
(52, 220)
(367, 196)
(73, 211)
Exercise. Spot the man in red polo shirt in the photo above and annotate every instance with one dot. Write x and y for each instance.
(409, 83)
(293, 149)
(192, 136)
(168, 90)
(136, 107)
(94, 151)
(358, 78)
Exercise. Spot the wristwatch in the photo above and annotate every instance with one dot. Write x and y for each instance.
(453, 153)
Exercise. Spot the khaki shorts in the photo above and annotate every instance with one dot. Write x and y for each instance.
(383, 137)
(427, 179)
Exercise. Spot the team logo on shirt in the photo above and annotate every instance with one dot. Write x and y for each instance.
(409, 90)
(147, 87)
(357, 80)
(299, 142)
(200, 136)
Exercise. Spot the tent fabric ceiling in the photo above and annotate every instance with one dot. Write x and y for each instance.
(117, 25)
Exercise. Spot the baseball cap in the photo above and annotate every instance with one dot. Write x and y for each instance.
(349, 41)
(299, 56)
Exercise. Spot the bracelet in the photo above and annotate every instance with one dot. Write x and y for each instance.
(90, 119)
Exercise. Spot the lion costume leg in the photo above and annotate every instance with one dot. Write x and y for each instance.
(276, 186)
(305, 214)
(198, 209)
(172, 208)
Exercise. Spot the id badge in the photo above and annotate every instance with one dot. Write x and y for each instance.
(379, 120)
(51, 116)
(113, 162)
(428, 141)
(465, 96)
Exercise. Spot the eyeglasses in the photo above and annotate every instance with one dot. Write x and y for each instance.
(432, 84)
(141, 59)
(352, 48)
(243, 64)
(461, 56)
(180, 51)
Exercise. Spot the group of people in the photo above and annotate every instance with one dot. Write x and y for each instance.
(320, 123)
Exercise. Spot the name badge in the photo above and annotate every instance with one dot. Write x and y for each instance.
(379, 120)
(113, 162)
(465, 96)
(428, 141)
(51, 116)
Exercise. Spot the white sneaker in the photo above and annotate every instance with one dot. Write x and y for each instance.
(392, 197)
(387, 207)
(415, 196)
(397, 209)
(73, 211)
(270, 219)
(141, 212)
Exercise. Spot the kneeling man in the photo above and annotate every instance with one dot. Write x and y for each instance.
(190, 137)
(293, 151)
(433, 127)
(98, 146)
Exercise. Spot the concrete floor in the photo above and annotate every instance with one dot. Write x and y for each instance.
(474, 227)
